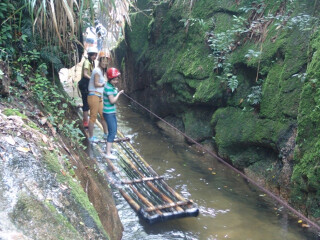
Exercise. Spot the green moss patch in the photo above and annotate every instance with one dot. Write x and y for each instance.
(197, 124)
(79, 195)
(30, 213)
(13, 112)
(238, 129)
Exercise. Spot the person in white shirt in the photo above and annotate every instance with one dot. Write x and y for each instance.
(95, 95)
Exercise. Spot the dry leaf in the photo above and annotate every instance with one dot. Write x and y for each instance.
(10, 140)
(43, 120)
(63, 187)
(23, 149)
(2, 156)
(63, 172)
(210, 168)
(44, 139)
(52, 129)
(241, 100)
(33, 151)
(305, 225)
(17, 120)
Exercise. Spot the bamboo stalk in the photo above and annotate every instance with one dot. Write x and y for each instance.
(169, 205)
(144, 199)
(141, 190)
(163, 183)
(142, 180)
(132, 203)
(133, 174)
(125, 139)
(156, 196)
(126, 196)
(167, 188)
(118, 140)
(150, 170)
(177, 195)
(156, 190)
(129, 172)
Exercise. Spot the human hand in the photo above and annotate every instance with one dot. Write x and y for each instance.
(122, 91)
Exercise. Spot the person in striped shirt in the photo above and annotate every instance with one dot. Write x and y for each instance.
(110, 97)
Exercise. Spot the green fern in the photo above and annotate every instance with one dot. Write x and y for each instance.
(233, 82)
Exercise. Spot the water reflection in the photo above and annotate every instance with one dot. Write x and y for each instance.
(230, 208)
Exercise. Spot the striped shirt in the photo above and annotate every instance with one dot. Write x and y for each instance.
(109, 89)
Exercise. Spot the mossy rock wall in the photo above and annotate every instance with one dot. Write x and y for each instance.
(306, 174)
(169, 66)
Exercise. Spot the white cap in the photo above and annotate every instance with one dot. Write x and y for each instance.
(92, 50)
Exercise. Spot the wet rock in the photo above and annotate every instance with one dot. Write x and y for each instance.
(37, 201)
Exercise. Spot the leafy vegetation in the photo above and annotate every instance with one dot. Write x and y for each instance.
(254, 97)
(36, 42)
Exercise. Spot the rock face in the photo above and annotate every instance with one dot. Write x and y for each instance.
(242, 74)
(47, 191)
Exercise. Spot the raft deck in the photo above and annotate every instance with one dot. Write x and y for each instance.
(146, 192)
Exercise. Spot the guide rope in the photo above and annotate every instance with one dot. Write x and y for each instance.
(278, 199)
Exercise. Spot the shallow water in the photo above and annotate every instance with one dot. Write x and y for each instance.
(230, 208)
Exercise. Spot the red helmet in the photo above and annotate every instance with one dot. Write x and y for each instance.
(112, 73)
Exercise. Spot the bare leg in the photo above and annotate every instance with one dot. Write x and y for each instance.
(85, 116)
(105, 126)
(90, 128)
(109, 145)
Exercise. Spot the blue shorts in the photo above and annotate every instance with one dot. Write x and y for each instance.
(111, 120)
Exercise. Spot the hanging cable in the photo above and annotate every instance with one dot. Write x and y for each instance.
(278, 199)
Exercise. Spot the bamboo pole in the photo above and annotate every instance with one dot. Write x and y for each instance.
(177, 195)
(165, 198)
(145, 200)
(156, 190)
(133, 174)
(156, 196)
(132, 203)
(169, 205)
(140, 196)
(142, 180)
(126, 139)
(174, 194)
(150, 170)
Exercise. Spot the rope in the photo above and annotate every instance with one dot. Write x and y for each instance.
(278, 199)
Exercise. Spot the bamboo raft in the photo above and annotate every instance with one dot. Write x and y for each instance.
(145, 191)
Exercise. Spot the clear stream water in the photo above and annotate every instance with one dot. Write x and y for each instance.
(230, 208)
